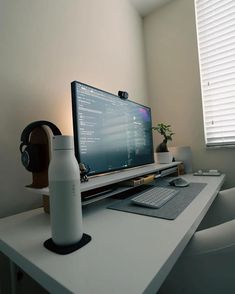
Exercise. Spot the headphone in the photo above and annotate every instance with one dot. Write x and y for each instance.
(33, 155)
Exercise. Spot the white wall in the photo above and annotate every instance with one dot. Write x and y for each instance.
(174, 83)
(44, 45)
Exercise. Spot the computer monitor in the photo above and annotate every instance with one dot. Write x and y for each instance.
(110, 133)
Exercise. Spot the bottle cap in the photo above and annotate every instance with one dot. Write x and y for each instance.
(63, 143)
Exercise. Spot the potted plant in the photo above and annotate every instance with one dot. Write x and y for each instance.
(162, 153)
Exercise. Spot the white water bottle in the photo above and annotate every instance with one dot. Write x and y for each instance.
(65, 195)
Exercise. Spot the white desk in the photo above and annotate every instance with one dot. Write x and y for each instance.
(128, 253)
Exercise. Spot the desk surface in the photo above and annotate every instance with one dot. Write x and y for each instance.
(128, 253)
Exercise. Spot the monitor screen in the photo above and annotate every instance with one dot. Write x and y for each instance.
(110, 133)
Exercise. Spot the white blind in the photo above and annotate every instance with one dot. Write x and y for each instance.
(216, 45)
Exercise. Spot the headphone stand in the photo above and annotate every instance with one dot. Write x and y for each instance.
(40, 179)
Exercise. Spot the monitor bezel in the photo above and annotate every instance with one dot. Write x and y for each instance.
(75, 128)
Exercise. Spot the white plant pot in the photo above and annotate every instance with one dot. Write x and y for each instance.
(163, 157)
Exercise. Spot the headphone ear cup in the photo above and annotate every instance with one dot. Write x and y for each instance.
(33, 157)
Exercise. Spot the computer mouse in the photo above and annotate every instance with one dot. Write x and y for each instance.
(179, 182)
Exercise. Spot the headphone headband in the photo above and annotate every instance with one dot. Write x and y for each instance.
(26, 132)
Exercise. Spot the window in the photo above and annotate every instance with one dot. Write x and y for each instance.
(216, 46)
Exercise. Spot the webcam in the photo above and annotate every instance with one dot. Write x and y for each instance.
(123, 95)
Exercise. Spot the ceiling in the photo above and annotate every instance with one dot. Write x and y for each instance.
(144, 7)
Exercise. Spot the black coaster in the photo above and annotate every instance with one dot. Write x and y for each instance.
(50, 245)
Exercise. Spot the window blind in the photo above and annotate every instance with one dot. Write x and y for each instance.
(215, 21)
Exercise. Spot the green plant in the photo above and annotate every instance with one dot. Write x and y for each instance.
(166, 132)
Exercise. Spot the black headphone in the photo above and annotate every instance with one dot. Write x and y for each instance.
(33, 155)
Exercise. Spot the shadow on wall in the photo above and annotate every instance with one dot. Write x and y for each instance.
(19, 107)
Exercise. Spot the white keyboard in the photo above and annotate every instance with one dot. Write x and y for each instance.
(155, 197)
